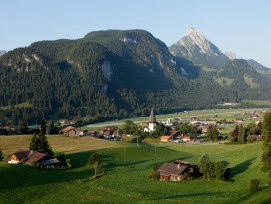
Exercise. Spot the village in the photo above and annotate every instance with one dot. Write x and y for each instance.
(171, 130)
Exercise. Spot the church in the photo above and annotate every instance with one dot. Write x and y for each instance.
(152, 123)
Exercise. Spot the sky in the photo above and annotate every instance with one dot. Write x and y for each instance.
(240, 26)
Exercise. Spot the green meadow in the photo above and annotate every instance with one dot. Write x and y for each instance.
(126, 167)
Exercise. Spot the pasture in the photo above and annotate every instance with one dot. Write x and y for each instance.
(126, 167)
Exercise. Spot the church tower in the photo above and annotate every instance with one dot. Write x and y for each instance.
(152, 121)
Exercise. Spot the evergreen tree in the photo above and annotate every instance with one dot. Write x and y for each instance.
(40, 143)
(241, 134)
(212, 133)
(266, 137)
(205, 166)
(1, 155)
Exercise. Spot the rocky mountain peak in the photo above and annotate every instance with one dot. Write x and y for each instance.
(231, 55)
(195, 39)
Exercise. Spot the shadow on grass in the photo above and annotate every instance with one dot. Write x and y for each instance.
(185, 195)
(243, 166)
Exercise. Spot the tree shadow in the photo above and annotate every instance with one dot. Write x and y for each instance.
(243, 166)
(184, 196)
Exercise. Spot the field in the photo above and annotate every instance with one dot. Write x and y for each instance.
(21, 105)
(126, 167)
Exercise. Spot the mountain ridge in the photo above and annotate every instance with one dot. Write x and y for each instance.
(115, 74)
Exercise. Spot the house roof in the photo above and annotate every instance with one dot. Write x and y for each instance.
(152, 117)
(50, 161)
(67, 129)
(22, 153)
(34, 157)
(172, 133)
(171, 168)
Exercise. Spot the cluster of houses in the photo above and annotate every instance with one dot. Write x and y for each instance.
(34, 158)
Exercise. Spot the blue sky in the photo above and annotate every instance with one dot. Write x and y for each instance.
(241, 26)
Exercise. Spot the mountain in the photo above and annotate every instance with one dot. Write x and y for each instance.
(2, 52)
(231, 55)
(256, 65)
(106, 74)
(197, 48)
(115, 74)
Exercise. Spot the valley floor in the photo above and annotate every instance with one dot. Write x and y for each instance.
(126, 167)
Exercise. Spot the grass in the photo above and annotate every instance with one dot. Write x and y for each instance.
(208, 69)
(223, 81)
(249, 80)
(21, 105)
(126, 167)
(257, 102)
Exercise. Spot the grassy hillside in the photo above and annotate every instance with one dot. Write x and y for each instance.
(126, 167)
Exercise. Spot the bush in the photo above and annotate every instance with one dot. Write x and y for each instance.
(251, 139)
(1, 155)
(153, 174)
(254, 185)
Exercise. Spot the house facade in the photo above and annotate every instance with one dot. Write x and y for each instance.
(177, 171)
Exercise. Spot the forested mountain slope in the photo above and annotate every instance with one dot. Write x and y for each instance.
(112, 74)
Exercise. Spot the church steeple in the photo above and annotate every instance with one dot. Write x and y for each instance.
(152, 117)
(152, 121)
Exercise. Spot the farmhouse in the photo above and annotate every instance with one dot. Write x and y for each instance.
(177, 171)
(165, 138)
(18, 157)
(71, 131)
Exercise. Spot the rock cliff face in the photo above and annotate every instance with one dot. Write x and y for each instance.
(231, 55)
(197, 48)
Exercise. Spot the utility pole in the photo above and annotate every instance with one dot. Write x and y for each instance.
(155, 153)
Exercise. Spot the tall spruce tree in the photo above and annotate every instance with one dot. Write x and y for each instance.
(40, 143)
(266, 137)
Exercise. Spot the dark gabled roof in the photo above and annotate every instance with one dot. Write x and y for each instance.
(170, 168)
(35, 157)
(22, 153)
(152, 117)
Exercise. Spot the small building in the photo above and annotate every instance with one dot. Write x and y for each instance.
(18, 157)
(239, 120)
(51, 163)
(71, 131)
(177, 171)
(165, 138)
(186, 138)
(35, 157)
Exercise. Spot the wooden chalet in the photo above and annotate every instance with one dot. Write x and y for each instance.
(71, 131)
(177, 171)
(165, 138)
(35, 157)
(18, 157)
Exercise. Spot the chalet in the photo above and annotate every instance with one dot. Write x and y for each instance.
(175, 134)
(177, 171)
(186, 138)
(35, 157)
(51, 163)
(18, 157)
(165, 138)
(239, 120)
(71, 131)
